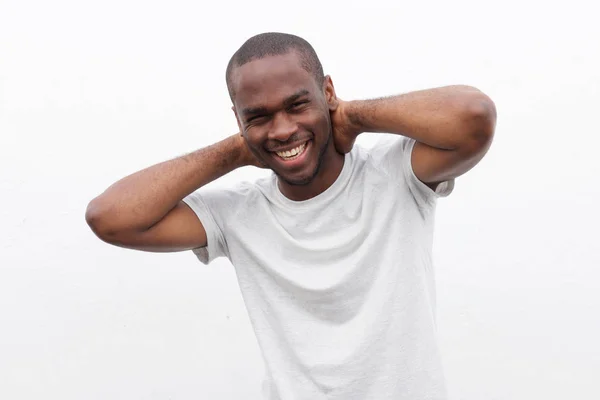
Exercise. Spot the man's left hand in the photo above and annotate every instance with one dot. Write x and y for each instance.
(345, 130)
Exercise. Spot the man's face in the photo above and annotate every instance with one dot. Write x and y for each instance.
(283, 114)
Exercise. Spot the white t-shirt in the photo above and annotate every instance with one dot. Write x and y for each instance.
(339, 288)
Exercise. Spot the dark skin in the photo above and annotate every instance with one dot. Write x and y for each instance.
(279, 106)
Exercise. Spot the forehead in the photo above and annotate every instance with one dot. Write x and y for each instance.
(270, 80)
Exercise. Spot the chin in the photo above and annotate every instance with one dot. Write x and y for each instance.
(301, 180)
(296, 181)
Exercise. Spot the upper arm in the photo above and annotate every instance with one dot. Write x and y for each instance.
(179, 230)
(433, 165)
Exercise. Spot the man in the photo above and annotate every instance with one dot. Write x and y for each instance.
(333, 250)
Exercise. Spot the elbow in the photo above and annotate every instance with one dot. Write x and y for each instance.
(109, 224)
(481, 121)
(91, 215)
(97, 221)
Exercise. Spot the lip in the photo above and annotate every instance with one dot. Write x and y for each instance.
(297, 161)
(290, 147)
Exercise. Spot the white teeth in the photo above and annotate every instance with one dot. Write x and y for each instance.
(291, 153)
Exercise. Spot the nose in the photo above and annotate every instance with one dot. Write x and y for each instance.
(282, 127)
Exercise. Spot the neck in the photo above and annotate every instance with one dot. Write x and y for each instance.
(329, 171)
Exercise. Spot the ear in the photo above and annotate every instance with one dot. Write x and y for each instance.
(237, 119)
(329, 92)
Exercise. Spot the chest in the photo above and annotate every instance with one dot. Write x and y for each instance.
(361, 220)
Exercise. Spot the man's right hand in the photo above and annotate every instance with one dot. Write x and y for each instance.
(246, 155)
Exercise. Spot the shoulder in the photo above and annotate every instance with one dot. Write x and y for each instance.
(384, 152)
(226, 197)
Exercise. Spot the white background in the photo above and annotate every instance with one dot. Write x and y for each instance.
(93, 91)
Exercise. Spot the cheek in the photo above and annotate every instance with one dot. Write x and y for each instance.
(317, 120)
(254, 137)
(323, 124)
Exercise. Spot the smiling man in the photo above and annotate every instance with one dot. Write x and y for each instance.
(333, 250)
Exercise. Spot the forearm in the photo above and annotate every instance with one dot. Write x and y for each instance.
(444, 117)
(140, 200)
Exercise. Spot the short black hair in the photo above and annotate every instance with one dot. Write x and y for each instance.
(274, 44)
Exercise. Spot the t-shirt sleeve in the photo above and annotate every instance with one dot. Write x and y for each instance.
(210, 205)
(395, 156)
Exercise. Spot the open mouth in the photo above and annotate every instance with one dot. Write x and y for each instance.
(293, 153)
(293, 156)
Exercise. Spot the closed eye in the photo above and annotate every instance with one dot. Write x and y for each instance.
(254, 118)
(298, 104)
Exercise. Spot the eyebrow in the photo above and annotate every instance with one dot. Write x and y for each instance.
(263, 110)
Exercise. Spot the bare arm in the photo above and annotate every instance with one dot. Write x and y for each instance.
(144, 210)
(453, 127)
